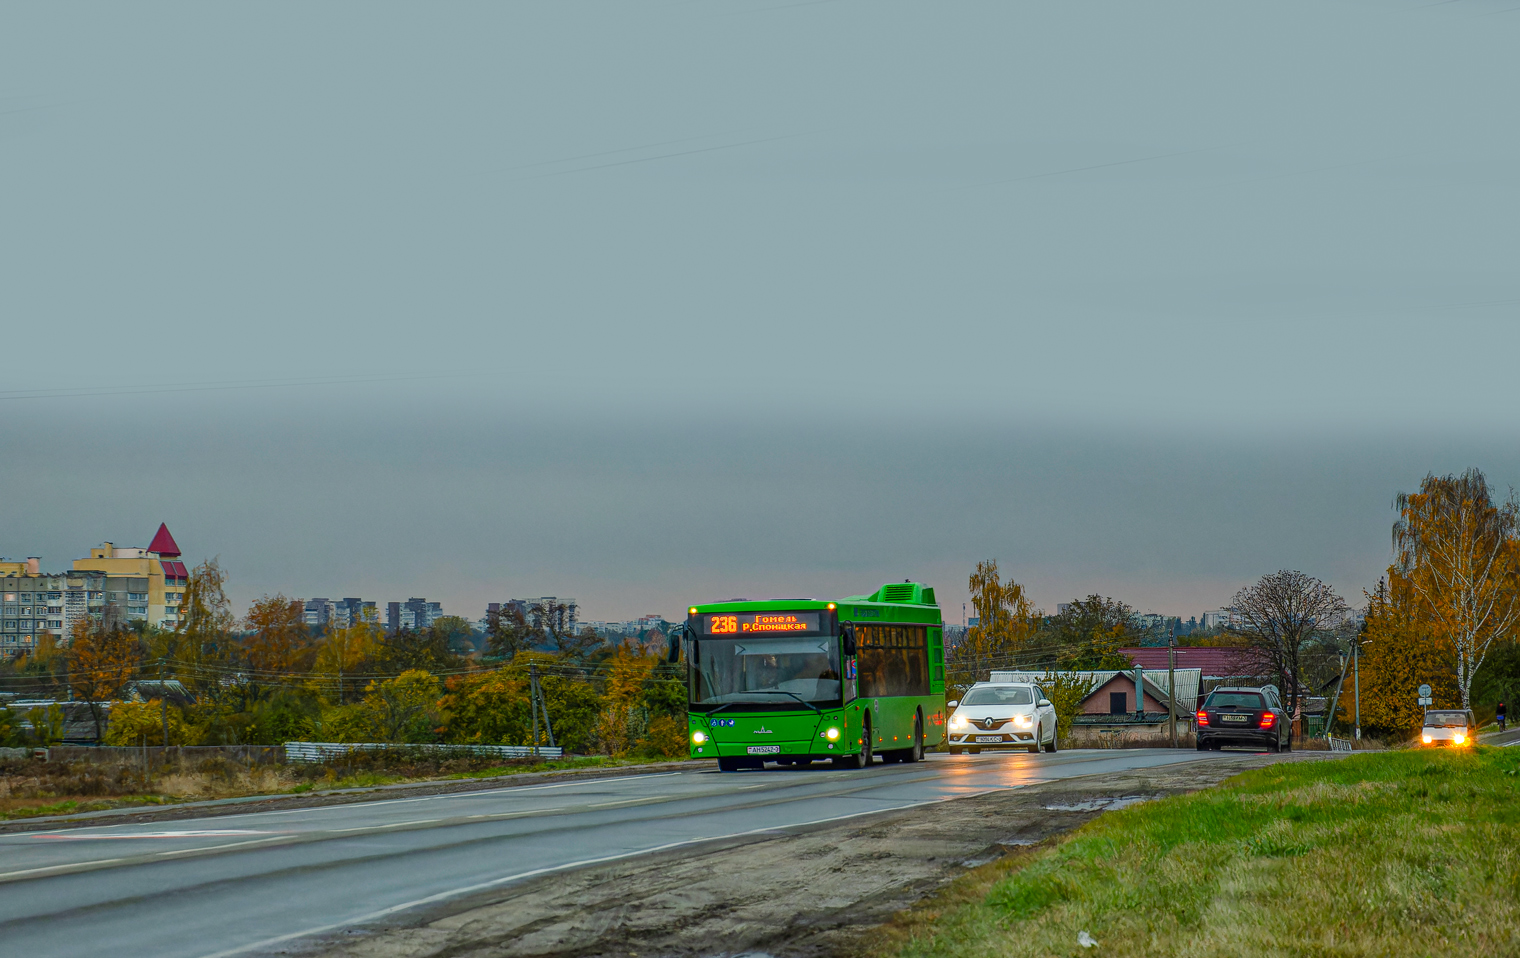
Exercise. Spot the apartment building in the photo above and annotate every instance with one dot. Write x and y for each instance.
(412, 614)
(325, 613)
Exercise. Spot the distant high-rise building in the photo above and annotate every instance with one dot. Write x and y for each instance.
(412, 614)
(339, 614)
(563, 613)
(1217, 619)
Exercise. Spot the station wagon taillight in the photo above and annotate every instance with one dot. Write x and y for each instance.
(1267, 720)
(1203, 717)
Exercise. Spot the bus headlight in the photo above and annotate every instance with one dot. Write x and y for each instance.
(699, 737)
(832, 735)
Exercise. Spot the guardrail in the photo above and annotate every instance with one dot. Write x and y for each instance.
(326, 751)
(1340, 744)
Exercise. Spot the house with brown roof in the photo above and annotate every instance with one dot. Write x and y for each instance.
(1131, 700)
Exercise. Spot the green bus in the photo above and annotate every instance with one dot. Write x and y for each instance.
(795, 681)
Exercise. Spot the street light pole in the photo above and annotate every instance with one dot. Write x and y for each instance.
(1171, 682)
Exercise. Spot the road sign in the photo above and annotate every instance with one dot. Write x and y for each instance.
(1427, 701)
(1424, 691)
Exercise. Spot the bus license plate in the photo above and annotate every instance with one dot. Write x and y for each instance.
(1234, 718)
(765, 749)
(989, 738)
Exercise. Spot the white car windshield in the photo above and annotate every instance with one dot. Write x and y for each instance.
(993, 695)
(1446, 719)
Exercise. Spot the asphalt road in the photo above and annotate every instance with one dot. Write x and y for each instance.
(250, 884)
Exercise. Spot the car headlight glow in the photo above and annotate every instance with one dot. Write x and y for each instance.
(1023, 721)
(1460, 738)
(958, 721)
(832, 734)
(1425, 739)
(699, 737)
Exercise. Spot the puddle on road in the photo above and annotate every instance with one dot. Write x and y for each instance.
(1101, 804)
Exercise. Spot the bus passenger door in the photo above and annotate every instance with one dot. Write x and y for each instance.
(937, 661)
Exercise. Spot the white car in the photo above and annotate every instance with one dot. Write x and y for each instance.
(1455, 727)
(1002, 715)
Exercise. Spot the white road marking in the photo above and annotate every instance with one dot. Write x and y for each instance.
(46, 868)
(193, 833)
(627, 801)
(212, 848)
(504, 791)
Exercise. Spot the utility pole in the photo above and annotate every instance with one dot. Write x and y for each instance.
(533, 702)
(1171, 682)
(1356, 682)
(163, 701)
(537, 703)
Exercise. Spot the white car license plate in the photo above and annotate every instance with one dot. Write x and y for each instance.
(989, 738)
(1234, 718)
(765, 749)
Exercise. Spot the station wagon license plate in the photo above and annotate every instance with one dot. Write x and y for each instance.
(765, 749)
(1234, 718)
(989, 738)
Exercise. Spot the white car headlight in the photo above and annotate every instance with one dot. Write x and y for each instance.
(1023, 721)
(958, 721)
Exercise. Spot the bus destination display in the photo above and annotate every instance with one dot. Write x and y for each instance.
(759, 623)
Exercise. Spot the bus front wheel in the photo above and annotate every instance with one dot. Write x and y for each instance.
(861, 759)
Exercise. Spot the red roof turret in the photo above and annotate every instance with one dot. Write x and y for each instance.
(163, 543)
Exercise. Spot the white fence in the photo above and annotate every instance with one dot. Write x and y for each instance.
(325, 751)
(1340, 744)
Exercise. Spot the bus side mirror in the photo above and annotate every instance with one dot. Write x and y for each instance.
(848, 636)
(674, 655)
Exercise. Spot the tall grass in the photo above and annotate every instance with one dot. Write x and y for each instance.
(1411, 853)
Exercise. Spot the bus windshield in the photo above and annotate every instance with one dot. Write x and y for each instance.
(768, 671)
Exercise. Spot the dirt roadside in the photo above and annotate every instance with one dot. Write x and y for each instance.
(807, 893)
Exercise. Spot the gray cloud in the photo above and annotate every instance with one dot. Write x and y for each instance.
(648, 303)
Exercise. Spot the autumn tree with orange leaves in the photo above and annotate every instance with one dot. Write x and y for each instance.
(1005, 623)
(102, 660)
(1458, 553)
(278, 641)
(1399, 653)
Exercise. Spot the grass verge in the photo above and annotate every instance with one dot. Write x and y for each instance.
(1410, 853)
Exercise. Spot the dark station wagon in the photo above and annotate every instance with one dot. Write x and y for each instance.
(1244, 716)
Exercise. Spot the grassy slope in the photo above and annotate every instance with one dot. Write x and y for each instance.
(1390, 854)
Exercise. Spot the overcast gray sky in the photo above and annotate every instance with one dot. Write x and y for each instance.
(655, 303)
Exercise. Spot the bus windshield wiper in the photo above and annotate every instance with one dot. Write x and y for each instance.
(794, 695)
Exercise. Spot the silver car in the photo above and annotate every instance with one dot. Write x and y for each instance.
(1002, 715)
